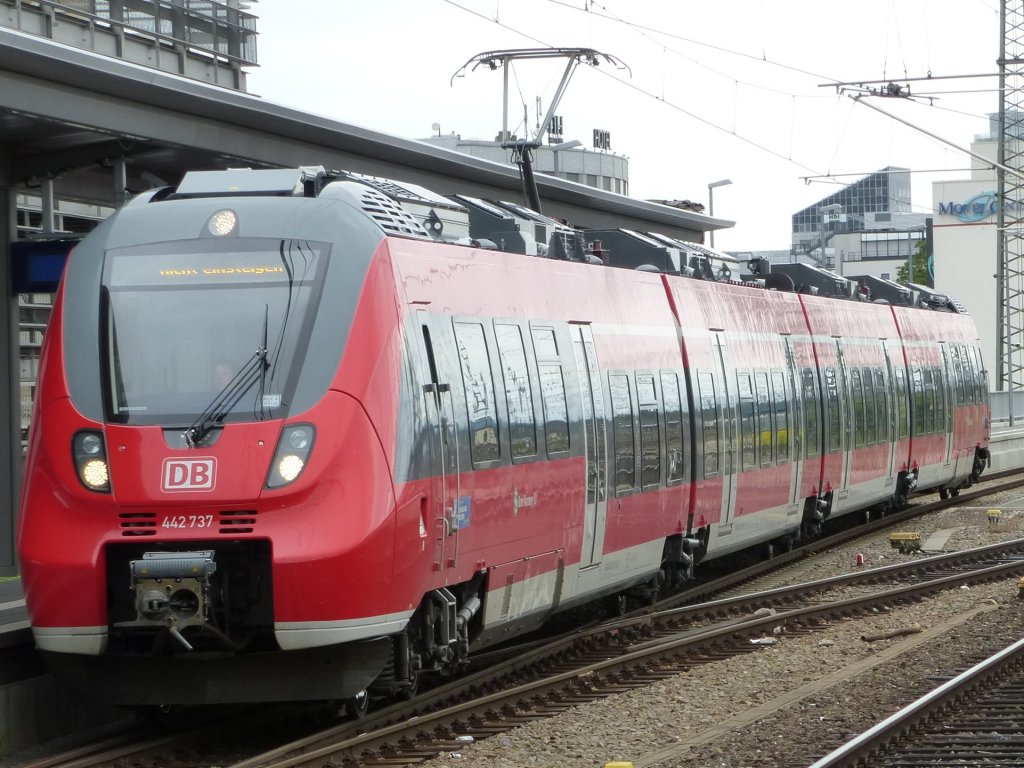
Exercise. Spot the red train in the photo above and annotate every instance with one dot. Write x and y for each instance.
(290, 442)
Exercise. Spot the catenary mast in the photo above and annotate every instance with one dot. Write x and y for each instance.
(1010, 226)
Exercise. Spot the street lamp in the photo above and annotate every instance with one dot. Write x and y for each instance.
(711, 204)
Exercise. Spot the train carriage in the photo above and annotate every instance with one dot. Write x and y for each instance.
(854, 350)
(422, 447)
(743, 350)
(948, 408)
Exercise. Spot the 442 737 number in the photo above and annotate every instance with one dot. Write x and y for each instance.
(187, 521)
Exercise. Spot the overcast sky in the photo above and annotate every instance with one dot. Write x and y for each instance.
(714, 90)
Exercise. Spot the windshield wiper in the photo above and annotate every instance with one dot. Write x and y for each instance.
(263, 368)
(222, 404)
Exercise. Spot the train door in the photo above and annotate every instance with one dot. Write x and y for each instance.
(439, 407)
(891, 348)
(592, 397)
(727, 418)
(796, 426)
(946, 392)
(846, 419)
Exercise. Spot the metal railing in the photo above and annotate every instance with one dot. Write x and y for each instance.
(1007, 408)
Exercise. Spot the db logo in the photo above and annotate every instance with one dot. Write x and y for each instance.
(188, 475)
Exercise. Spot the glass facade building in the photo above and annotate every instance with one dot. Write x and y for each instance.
(885, 191)
(205, 40)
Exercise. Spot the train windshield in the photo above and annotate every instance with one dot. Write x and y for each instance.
(183, 319)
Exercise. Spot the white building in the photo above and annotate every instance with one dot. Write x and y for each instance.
(964, 215)
(597, 168)
(885, 244)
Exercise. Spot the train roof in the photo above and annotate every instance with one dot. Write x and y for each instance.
(408, 210)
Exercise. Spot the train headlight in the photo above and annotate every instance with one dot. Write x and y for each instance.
(292, 453)
(90, 456)
(223, 222)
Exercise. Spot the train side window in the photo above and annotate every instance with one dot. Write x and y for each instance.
(674, 457)
(969, 378)
(928, 387)
(957, 352)
(968, 364)
(552, 390)
(556, 419)
(941, 406)
(965, 374)
(882, 409)
(766, 420)
(835, 437)
(522, 424)
(748, 421)
(811, 411)
(981, 384)
(870, 422)
(857, 396)
(902, 419)
(980, 380)
(622, 433)
(650, 431)
(480, 402)
(709, 422)
(780, 408)
(917, 400)
(544, 343)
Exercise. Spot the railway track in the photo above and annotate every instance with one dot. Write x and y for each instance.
(626, 660)
(650, 644)
(756, 575)
(972, 719)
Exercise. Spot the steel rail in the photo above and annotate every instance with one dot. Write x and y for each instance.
(687, 640)
(936, 700)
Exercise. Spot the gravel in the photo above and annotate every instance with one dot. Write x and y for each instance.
(706, 717)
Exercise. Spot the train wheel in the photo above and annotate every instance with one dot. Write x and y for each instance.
(412, 685)
(768, 550)
(944, 493)
(357, 706)
(954, 492)
(410, 691)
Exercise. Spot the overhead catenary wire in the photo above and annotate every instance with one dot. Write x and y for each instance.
(647, 93)
(598, 10)
(859, 98)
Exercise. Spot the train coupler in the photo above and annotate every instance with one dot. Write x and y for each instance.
(172, 591)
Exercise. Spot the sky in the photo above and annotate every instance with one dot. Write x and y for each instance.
(744, 90)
